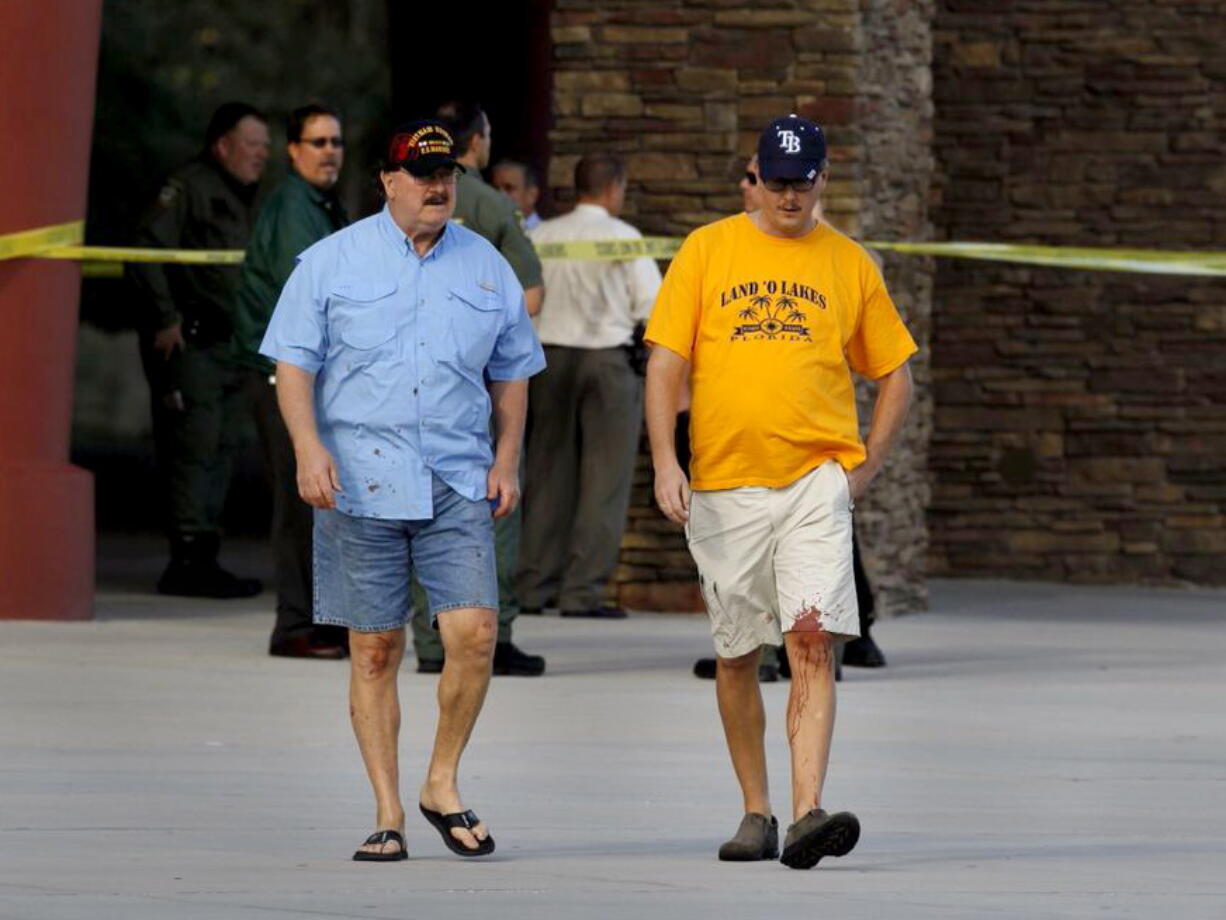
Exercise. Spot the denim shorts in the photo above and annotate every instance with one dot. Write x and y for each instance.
(364, 566)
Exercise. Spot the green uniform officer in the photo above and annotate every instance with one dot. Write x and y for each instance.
(298, 213)
(196, 386)
(485, 210)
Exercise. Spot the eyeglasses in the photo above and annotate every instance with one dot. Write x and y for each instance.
(782, 185)
(320, 142)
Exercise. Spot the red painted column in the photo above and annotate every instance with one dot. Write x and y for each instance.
(48, 64)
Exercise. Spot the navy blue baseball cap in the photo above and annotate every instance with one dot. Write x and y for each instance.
(791, 148)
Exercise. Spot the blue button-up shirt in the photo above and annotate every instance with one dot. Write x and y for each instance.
(401, 347)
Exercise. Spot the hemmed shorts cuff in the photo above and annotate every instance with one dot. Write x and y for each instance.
(337, 621)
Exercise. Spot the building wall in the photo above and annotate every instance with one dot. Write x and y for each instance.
(1081, 417)
(682, 90)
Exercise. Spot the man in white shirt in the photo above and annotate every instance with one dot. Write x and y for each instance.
(586, 408)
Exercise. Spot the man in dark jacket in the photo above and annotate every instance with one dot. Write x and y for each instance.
(300, 211)
(196, 390)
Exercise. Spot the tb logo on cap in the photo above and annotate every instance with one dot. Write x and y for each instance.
(789, 142)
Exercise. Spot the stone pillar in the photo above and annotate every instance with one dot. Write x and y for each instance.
(48, 56)
(682, 89)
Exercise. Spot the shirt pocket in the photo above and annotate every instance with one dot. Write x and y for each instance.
(361, 315)
(476, 320)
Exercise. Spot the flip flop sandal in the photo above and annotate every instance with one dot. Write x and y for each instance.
(465, 819)
(818, 834)
(383, 837)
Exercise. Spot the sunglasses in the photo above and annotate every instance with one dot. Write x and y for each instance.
(782, 185)
(320, 142)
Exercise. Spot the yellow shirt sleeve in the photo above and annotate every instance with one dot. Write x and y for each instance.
(678, 307)
(881, 342)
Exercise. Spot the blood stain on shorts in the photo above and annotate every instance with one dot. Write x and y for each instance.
(808, 619)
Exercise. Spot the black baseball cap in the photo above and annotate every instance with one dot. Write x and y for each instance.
(791, 148)
(421, 147)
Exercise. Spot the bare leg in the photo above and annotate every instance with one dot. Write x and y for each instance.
(740, 709)
(810, 715)
(468, 635)
(374, 710)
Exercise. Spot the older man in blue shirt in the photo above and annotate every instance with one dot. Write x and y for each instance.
(393, 339)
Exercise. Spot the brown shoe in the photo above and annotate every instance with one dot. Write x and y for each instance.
(818, 834)
(306, 645)
(757, 838)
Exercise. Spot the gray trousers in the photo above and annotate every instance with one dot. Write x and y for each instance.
(586, 416)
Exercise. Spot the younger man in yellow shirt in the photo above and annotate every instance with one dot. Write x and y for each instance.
(767, 314)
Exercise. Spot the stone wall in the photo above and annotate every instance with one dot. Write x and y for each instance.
(1081, 421)
(682, 90)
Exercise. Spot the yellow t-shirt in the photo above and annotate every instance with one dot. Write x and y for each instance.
(773, 327)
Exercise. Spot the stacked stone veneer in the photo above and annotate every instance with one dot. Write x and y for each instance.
(1081, 417)
(682, 90)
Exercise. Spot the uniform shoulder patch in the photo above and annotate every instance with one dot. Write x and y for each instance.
(168, 194)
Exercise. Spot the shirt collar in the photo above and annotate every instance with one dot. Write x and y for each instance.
(317, 195)
(396, 238)
(592, 208)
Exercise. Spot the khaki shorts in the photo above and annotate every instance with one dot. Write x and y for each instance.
(772, 561)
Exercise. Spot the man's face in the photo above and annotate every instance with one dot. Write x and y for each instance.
(617, 199)
(318, 155)
(420, 205)
(482, 144)
(511, 181)
(786, 209)
(749, 189)
(243, 150)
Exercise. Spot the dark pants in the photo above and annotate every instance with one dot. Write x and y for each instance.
(197, 404)
(292, 520)
(586, 413)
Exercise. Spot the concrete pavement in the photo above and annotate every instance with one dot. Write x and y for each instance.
(1031, 751)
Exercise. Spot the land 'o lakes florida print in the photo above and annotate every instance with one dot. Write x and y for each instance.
(772, 310)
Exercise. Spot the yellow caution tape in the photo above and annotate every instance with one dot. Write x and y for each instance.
(62, 242)
(652, 247)
(126, 254)
(35, 242)
(1149, 261)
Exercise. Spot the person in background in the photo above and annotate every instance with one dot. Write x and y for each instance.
(518, 182)
(186, 327)
(299, 212)
(586, 408)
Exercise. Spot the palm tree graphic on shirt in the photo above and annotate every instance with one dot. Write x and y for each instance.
(782, 317)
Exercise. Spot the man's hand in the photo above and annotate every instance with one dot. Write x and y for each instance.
(889, 411)
(318, 480)
(858, 480)
(673, 493)
(502, 484)
(166, 341)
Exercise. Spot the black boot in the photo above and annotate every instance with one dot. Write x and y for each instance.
(194, 572)
(863, 652)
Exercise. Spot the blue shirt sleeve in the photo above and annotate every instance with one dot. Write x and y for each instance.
(298, 331)
(517, 352)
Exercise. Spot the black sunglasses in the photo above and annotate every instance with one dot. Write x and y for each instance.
(320, 142)
(782, 185)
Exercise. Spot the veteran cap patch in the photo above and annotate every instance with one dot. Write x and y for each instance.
(421, 147)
